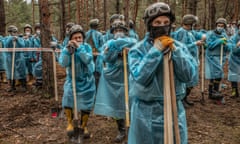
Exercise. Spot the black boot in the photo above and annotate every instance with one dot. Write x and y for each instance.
(234, 90)
(210, 90)
(216, 95)
(12, 86)
(122, 131)
(24, 85)
(38, 83)
(186, 102)
(83, 123)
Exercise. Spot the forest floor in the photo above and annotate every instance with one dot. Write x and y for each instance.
(25, 118)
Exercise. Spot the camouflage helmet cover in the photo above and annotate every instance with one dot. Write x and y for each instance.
(75, 29)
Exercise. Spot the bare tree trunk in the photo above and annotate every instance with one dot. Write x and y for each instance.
(212, 11)
(86, 22)
(126, 10)
(93, 8)
(105, 14)
(204, 24)
(63, 18)
(226, 8)
(235, 16)
(135, 11)
(33, 13)
(78, 12)
(192, 7)
(2, 18)
(118, 7)
(69, 12)
(184, 7)
(47, 64)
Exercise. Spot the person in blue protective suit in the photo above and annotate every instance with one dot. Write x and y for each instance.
(66, 39)
(192, 40)
(85, 82)
(2, 69)
(213, 65)
(234, 63)
(110, 94)
(147, 76)
(132, 33)
(108, 35)
(95, 39)
(19, 72)
(36, 56)
(28, 39)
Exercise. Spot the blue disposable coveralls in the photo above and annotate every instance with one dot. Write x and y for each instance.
(110, 94)
(132, 33)
(97, 42)
(146, 91)
(37, 67)
(1, 54)
(19, 62)
(85, 82)
(107, 36)
(213, 69)
(29, 55)
(189, 38)
(234, 60)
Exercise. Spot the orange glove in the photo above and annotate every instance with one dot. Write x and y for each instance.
(164, 42)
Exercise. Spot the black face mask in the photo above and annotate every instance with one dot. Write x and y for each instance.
(157, 31)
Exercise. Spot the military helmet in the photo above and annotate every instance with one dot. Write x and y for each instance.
(27, 26)
(118, 24)
(12, 28)
(114, 17)
(155, 10)
(37, 25)
(69, 25)
(75, 29)
(94, 22)
(222, 21)
(189, 19)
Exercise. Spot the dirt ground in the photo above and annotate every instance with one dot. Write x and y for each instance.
(25, 118)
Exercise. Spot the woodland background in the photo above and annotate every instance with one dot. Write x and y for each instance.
(20, 12)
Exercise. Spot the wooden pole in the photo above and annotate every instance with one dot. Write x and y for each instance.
(125, 66)
(13, 60)
(74, 87)
(55, 77)
(202, 74)
(174, 104)
(168, 119)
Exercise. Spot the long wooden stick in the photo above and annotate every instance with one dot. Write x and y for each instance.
(126, 86)
(55, 77)
(174, 104)
(168, 130)
(221, 55)
(74, 87)
(202, 74)
(221, 63)
(13, 59)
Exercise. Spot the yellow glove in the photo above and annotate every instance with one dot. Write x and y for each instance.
(163, 43)
(223, 41)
